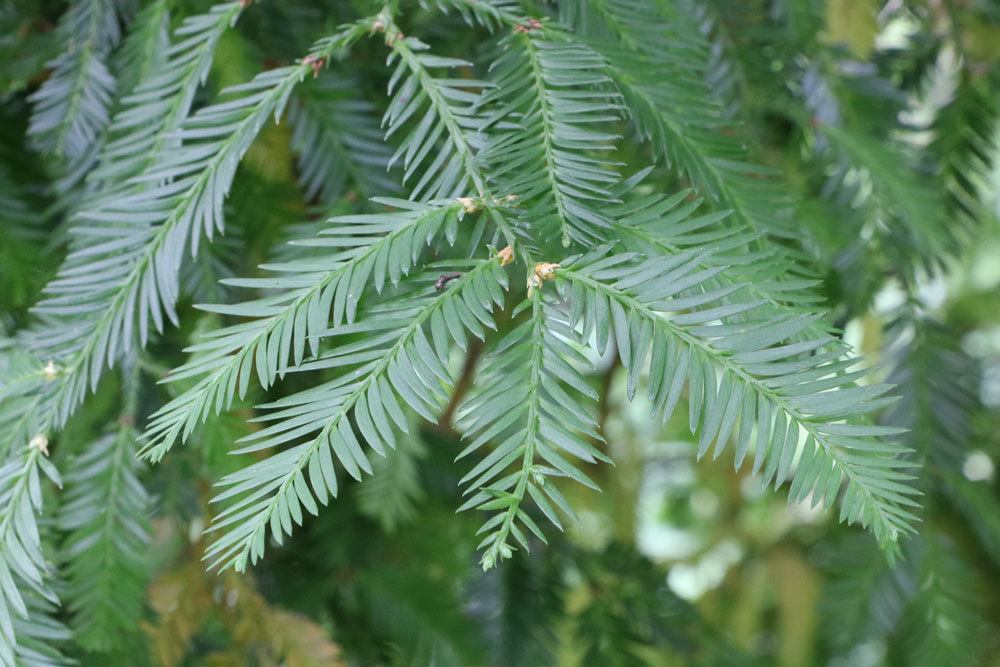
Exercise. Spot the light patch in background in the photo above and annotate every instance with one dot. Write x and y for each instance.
(984, 275)
(932, 292)
(704, 504)
(978, 467)
(984, 344)
(866, 654)
(889, 298)
(989, 390)
(655, 538)
(691, 580)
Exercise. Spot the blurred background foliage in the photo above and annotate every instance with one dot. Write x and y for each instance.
(881, 117)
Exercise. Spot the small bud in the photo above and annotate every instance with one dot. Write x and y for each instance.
(506, 255)
(41, 443)
(529, 26)
(50, 371)
(543, 271)
(315, 62)
(469, 204)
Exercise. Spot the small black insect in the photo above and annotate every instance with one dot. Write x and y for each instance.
(445, 278)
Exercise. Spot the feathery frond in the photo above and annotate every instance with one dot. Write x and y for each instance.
(144, 49)
(72, 107)
(441, 140)
(338, 140)
(871, 176)
(316, 294)
(556, 101)
(22, 237)
(152, 113)
(864, 598)
(535, 431)
(107, 548)
(491, 14)
(939, 403)
(944, 622)
(658, 59)
(617, 149)
(23, 382)
(965, 146)
(795, 395)
(400, 359)
(140, 238)
(392, 494)
(655, 225)
(23, 570)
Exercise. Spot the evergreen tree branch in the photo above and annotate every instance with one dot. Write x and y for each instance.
(554, 97)
(338, 142)
(315, 294)
(793, 399)
(72, 107)
(658, 59)
(127, 278)
(395, 362)
(105, 553)
(535, 431)
(23, 571)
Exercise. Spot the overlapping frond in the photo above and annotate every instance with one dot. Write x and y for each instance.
(436, 120)
(965, 146)
(531, 400)
(22, 564)
(113, 289)
(24, 381)
(745, 376)
(400, 359)
(929, 602)
(722, 72)
(41, 637)
(863, 597)
(107, 549)
(939, 404)
(939, 385)
(151, 113)
(557, 103)
(22, 242)
(875, 175)
(338, 141)
(394, 490)
(655, 224)
(658, 59)
(71, 109)
(492, 14)
(145, 48)
(945, 621)
(313, 294)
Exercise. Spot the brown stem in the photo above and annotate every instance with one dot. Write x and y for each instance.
(462, 386)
